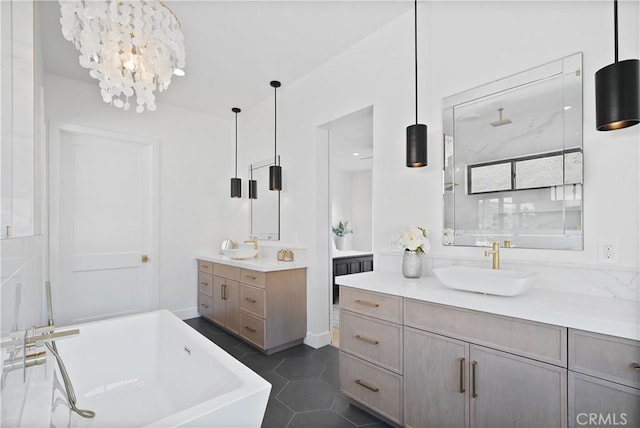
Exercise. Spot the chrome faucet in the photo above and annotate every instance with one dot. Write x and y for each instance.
(495, 252)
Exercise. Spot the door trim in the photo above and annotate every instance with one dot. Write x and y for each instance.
(55, 131)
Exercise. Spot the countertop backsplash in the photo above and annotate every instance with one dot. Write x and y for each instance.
(592, 280)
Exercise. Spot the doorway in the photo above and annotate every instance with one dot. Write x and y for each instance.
(103, 211)
(350, 140)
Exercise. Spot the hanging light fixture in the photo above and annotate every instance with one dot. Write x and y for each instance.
(275, 170)
(253, 187)
(130, 47)
(618, 89)
(236, 183)
(416, 134)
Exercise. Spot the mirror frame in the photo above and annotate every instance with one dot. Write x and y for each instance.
(568, 66)
(263, 236)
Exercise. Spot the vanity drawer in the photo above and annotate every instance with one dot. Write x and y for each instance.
(206, 267)
(252, 328)
(606, 357)
(252, 300)
(543, 342)
(376, 388)
(205, 283)
(225, 271)
(382, 306)
(379, 342)
(253, 277)
(205, 305)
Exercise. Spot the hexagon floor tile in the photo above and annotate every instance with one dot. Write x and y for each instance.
(305, 389)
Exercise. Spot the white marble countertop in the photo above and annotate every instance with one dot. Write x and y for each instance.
(616, 317)
(260, 264)
(336, 254)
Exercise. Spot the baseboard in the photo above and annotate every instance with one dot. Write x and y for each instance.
(186, 313)
(318, 340)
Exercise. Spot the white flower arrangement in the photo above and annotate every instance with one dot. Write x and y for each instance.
(414, 238)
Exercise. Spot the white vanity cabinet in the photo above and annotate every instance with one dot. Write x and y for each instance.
(266, 309)
(604, 380)
(457, 372)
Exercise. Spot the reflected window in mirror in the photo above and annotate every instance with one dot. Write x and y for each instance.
(513, 160)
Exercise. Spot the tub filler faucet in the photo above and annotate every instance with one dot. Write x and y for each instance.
(27, 343)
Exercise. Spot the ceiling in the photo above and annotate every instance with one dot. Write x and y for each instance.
(235, 48)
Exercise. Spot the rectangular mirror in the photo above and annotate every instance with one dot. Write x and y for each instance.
(265, 209)
(513, 160)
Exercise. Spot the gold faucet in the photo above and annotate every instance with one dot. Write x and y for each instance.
(495, 251)
(253, 239)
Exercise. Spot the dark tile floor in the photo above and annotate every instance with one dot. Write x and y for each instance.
(305, 390)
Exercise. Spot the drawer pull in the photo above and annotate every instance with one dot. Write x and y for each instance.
(635, 366)
(204, 306)
(474, 392)
(250, 300)
(366, 339)
(365, 385)
(252, 330)
(251, 277)
(365, 303)
(223, 292)
(205, 267)
(462, 390)
(204, 283)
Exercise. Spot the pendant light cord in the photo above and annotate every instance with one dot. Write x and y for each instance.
(415, 44)
(275, 126)
(236, 144)
(615, 29)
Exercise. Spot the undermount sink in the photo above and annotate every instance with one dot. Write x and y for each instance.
(487, 281)
(243, 252)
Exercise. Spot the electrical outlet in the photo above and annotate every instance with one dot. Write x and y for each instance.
(608, 251)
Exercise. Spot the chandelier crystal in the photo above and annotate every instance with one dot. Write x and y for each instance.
(130, 47)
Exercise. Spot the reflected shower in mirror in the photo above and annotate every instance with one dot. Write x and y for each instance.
(513, 160)
(265, 208)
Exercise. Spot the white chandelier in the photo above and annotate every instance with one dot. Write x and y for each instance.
(130, 46)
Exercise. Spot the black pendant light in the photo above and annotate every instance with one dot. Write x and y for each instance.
(416, 134)
(618, 89)
(236, 183)
(253, 187)
(275, 170)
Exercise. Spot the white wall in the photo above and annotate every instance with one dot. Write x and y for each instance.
(361, 193)
(196, 163)
(462, 45)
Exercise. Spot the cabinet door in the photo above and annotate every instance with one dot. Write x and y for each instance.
(597, 402)
(511, 391)
(367, 264)
(340, 267)
(435, 380)
(219, 306)
(354, 266)
(232, 299)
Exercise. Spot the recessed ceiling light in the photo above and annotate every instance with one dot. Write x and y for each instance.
(179, 72)
(568, 107)
(356, 154)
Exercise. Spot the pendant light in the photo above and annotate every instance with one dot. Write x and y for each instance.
(416, 134)
(253, 186)
(618, 89)
(236, 183)
(275, 170)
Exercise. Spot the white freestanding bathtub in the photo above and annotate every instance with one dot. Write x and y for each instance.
(153, 370)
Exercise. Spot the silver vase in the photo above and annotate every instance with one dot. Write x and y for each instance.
(411, 264)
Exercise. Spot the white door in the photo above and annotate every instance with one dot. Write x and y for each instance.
(102, 222)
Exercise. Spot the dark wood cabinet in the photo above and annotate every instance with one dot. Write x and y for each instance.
(348, 265)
